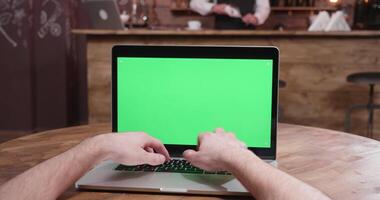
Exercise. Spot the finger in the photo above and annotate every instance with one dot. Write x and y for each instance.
(149, 149)
(250, 19)
(219, 130)
(200, 138)
(190, 155)
(157, 146)
(245, 20)
(161, 149)
(196, 159)
(230, 135)
(242, 144)
(153, 158)
(254, 20)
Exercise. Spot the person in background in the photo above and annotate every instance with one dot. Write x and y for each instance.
(217, 151)
(252, 12)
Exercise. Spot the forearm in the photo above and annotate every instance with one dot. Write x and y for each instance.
(266, 182)
(262, 11)
(52, 177)
(203, 7)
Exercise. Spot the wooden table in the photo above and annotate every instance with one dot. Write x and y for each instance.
(344, 166)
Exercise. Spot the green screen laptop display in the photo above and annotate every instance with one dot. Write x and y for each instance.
(175, 99)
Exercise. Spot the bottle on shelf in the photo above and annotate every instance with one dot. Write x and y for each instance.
(154, 21)
(373, 20)
(290, 3)
(138, 14)
(361, 14)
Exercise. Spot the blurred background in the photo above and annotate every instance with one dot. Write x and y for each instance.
(55, 62)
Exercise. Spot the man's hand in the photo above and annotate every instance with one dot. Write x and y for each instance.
(133, 148)
(215, 150)
(250, 19)
(219, 9)
(61, 171)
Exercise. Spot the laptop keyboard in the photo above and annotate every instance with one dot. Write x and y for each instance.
(174, 166)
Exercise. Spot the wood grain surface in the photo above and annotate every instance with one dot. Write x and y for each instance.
(344, 166)
(204, 32)
(315, 69)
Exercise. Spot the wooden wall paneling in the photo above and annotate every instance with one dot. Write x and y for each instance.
(325, 109)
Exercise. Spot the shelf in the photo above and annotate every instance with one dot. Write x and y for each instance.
(277, 9)
(274, 9)
(304, 8)
(182, 11)
(181, 7)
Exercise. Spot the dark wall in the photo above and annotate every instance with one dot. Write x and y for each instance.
(40, 87)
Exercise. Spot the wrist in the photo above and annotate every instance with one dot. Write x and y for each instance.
(236, 157)
(214, 8)
(256, 20)
(98, 146)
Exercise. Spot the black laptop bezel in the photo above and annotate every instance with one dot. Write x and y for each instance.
(232, 52)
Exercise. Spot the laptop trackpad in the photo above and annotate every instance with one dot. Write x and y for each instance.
(105, 177)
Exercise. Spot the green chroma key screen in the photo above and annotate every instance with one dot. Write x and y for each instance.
(175, 99)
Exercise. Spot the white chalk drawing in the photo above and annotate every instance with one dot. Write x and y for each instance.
(18, 16)
(11, 13)
(48, 20)
(4, 5)
(7, 37)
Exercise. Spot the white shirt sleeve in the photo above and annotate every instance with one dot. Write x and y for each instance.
(203, 7)
(262, 10)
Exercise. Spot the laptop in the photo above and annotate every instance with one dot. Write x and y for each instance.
(103, 14)
(174, 93)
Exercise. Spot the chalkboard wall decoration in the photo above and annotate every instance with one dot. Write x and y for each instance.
(51, 11)
(11, 16)
(17, 3)
(4, 5)
(18, 16)
(44, 63)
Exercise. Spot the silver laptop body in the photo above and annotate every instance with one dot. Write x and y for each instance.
(103, 14)
(105, 177)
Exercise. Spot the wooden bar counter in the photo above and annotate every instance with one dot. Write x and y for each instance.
(314, 65)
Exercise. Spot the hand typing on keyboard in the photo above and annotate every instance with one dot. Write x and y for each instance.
(211, 157)
(133, 148)
(215, 150)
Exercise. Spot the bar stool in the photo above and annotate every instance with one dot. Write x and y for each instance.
(371, 79)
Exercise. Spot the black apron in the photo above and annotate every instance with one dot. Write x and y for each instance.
(226, 22)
